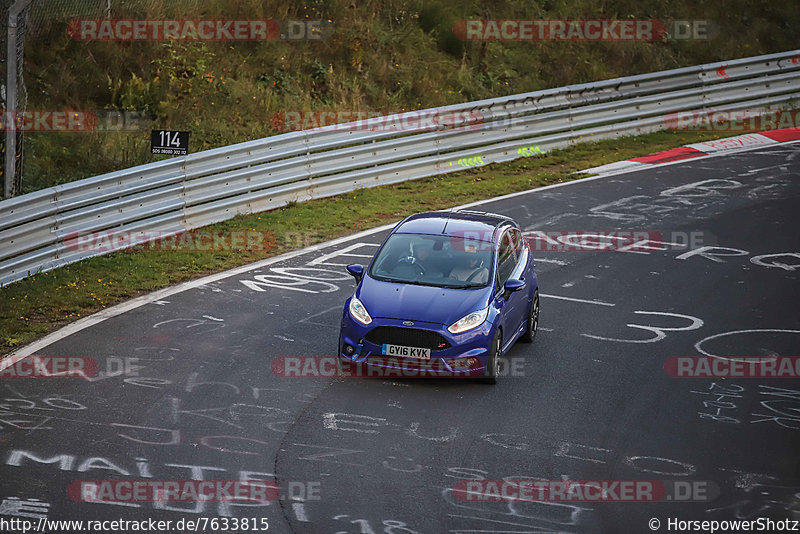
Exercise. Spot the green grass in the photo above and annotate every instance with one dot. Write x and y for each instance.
(46, 301)
(393, 55)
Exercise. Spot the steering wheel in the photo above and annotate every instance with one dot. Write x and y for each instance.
(473, 275)
(411, 260)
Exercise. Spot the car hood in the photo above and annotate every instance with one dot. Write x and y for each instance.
(391, 300)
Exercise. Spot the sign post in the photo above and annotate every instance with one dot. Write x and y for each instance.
(169, 142)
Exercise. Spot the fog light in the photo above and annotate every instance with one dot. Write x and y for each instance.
(463, 363)
(349, 349)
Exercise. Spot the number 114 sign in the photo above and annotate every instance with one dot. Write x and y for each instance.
(169, 142)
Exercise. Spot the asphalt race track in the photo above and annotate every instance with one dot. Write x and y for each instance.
(588, 400)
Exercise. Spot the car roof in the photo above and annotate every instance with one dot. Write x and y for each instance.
(479, 224)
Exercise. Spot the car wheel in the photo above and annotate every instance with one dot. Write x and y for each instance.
(493, 361)
(533, 320)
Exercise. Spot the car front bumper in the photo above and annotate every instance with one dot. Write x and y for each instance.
(368, 348)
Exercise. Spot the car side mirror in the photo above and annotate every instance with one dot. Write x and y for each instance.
(511, 286)
(357, 271)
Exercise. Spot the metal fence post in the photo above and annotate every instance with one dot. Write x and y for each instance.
(11, 97)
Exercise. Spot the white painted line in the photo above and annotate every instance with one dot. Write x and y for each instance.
(300, 512)
(161, 294)
(597, 302)
(546, 260)
(624, 165)
(323, 312)
(323, 260)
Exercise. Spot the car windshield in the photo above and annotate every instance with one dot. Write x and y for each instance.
(434, 260)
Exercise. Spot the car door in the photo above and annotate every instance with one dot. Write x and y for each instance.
(525, 264)
(513, 308)
(520, 300)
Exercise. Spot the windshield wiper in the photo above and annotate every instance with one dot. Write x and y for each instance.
(418, 283)
(426, 284)
(401, 281)
(387, 279)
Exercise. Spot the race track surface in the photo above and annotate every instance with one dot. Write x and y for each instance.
(588, 400)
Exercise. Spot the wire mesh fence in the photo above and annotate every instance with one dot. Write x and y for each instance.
(48, 11)
(34, 17)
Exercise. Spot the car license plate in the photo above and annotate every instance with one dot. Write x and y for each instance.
(406, 352)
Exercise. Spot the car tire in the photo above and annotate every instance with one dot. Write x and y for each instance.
(532, 324)
(493, 360)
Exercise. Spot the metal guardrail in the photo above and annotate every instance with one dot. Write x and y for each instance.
(38, 230)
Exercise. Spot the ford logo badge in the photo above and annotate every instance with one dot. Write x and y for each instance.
(408, 323)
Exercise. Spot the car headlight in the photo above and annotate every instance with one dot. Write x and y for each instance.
(469, 321)
(359, 312)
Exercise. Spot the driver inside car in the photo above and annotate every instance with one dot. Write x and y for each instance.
(470, 269)
(418, 262)
(422, 254)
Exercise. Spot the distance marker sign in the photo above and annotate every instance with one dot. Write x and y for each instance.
(169, 142)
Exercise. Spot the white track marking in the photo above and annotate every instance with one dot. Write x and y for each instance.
(161, 294)
(699, 344)
(547, 260)
(584, 301)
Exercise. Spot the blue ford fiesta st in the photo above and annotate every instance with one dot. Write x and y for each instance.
(448, 293)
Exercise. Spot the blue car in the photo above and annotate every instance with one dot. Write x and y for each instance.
(447, 294)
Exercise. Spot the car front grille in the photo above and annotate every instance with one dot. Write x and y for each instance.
(407, 337)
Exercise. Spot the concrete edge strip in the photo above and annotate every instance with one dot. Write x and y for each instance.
(726, 145)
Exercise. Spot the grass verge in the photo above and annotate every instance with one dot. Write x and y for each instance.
(377, 57)
(47, 301)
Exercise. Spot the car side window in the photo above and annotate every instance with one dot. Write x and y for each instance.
(519, 242)
(514, 242)
(506, 259)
